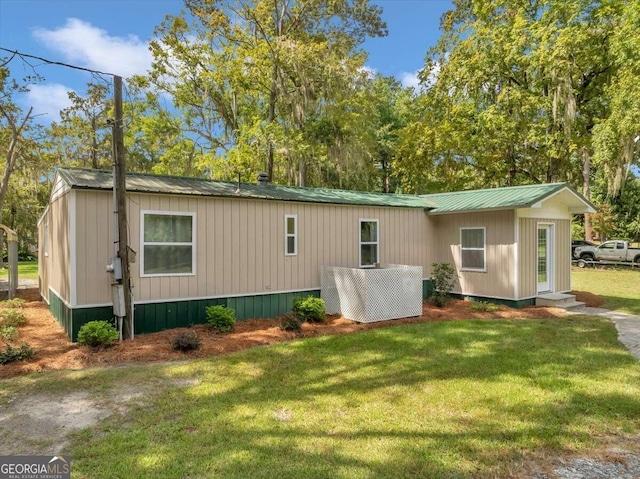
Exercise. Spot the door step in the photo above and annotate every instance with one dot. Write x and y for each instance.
(558, 300)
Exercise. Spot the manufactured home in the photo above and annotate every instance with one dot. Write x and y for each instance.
(255, 247)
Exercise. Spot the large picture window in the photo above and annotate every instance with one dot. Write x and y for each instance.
(369, 245)
(167, 243)
(473, 249)
(290, 235)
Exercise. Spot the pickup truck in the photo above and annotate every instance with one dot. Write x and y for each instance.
(608, 251)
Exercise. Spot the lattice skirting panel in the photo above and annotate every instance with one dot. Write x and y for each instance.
(366, 295)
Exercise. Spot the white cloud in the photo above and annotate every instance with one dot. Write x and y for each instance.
(368, 71)
(91, 47)
(47, 100)
(410, 79)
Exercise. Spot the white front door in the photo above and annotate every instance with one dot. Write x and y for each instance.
(545, 258)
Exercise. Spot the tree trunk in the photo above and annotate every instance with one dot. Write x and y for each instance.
(94, 144)
(586, 191)
(271, 118)
(302, 173)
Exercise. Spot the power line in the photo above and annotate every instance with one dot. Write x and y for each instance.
(52, 62)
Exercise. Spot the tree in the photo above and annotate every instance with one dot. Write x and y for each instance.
(14, 128)
(519, 87)
(82, 137)
(261, 84)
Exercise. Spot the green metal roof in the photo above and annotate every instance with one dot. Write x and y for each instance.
(495, 198)
(145, 183)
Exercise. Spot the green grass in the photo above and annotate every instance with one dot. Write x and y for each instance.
(26, 269)
(620, 288)
(450, 399)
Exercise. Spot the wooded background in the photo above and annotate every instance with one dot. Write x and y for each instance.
(514, 92)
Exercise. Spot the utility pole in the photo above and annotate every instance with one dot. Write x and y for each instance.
(121, 200)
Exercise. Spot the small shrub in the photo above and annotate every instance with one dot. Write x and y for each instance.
(486, 307)
(12, 317)
(310, 309)
(222, 319)
(8, 333)
(290, 322)
(186, 341)
(13, 303)
(98, 333)
(444, 279)
(11, 354)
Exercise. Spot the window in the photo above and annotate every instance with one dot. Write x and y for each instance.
(46, 238)
(368, 243)
(167, 244)
(473, 249)
(290, 235)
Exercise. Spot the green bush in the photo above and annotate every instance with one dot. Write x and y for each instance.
(444, 279)
(11, 354)
(290, 322)
(12, 317)
(485, 306)
(98, 333)
(310, 309)
(186, 341)
(13, 303)
(8, 333)
(222, 319)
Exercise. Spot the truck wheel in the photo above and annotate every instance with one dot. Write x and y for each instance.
(636, 260)
(587, 257)
(582, 263)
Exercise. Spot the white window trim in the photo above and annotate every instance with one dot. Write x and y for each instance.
(154, 243)
(287, 235)
(483, 249)
(360, 242)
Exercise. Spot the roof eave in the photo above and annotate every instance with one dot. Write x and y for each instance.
(476, 210)
(248, 197)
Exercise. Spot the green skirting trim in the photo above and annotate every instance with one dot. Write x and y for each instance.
(73, 319)
(512, 303)
(427, 288)
(154, 317)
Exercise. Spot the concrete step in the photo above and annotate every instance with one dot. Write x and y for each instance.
(573, 306)
(556, 300)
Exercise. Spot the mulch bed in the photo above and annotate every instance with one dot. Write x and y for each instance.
(55, 351)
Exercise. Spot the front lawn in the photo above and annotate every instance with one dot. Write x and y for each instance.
(445, 399)
(619, 288)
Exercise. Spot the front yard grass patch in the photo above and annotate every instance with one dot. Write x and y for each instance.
(26, 270)
(445, 399)
(619, 288)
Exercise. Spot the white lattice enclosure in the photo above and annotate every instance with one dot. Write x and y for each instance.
(391, 291)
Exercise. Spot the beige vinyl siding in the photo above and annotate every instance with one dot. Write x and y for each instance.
(240, 244)
(94, 245)
(527, 255)
(498, 279)
(55, 268)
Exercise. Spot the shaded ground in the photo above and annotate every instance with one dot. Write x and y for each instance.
(42, 421)
(54, 351)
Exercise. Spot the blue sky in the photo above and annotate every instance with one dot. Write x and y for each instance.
(112, 35)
